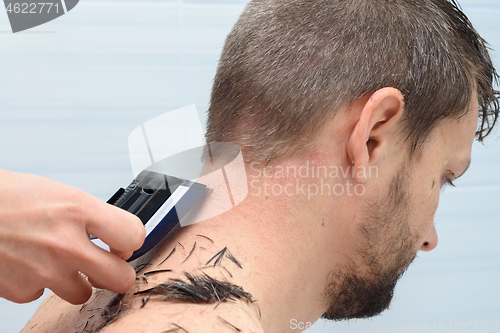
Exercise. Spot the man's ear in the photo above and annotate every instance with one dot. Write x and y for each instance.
(378, 124)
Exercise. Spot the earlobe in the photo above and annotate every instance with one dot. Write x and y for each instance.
(376, 127)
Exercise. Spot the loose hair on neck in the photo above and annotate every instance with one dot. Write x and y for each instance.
(290, 65)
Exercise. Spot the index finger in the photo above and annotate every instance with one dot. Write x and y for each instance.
(116, 227)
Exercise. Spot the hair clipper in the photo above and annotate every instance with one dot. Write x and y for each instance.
(160, 201)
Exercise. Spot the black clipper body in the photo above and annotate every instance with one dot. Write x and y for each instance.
(160, 201)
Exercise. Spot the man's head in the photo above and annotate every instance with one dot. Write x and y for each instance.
(341, 89)
(364, 202)
(288, 65)
(396, 211)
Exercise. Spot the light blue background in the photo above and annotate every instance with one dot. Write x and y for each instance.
(73, 89)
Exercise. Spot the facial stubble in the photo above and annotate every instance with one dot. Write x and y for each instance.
(364, 287)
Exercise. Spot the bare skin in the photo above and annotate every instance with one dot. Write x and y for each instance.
(228, 315)
(290, 247)
(44, 240)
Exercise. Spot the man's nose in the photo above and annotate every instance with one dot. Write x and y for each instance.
(431, 241)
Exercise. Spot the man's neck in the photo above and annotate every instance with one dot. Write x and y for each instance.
(258, 251)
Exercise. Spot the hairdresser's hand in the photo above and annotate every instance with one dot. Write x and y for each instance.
(44, 240)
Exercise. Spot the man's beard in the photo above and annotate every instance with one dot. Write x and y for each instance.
(365, 287)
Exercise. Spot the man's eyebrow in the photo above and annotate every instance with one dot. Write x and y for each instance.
(466, 168)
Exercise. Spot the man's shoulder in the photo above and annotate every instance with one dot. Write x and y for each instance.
(171, 316)
(107, 312)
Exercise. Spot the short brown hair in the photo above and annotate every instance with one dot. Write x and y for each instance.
(289, 65)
